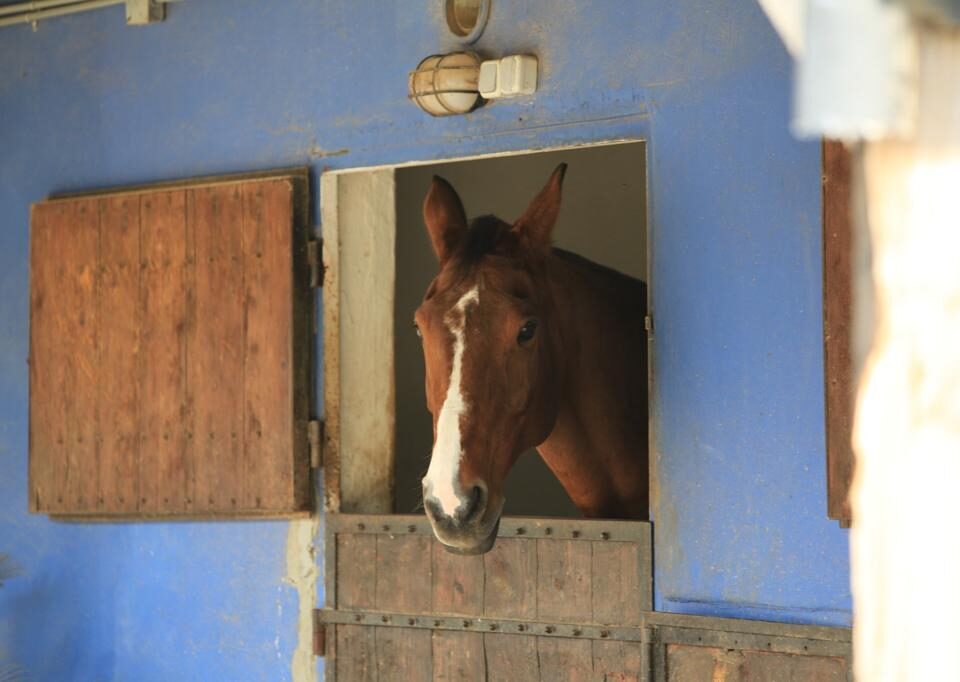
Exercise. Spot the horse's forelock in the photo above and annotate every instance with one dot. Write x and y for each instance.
(487, 235)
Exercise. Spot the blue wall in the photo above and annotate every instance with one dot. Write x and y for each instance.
(230, 85)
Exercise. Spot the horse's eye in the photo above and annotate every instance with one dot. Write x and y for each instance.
(527, 331)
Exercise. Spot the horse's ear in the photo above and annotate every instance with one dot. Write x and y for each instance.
(444, 217)
(536, 223)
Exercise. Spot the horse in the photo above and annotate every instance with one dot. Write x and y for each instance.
(526, 345)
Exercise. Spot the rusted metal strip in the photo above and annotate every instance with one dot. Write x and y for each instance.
(479, 624)
(678, 621)
(725, 639)
(319, 636)
(514, 526)
(763, 636)
(315, 260)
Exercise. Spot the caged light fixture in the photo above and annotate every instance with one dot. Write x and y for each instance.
(457, 83)
(443, 85)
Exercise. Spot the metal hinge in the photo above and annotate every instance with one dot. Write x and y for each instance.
(315, 438)
(315, 259)
(319, 635)
(648, 323)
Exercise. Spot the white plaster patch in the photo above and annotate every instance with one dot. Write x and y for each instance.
(443, 477)
(302, 575)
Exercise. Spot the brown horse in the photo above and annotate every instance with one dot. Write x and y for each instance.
(528, 346)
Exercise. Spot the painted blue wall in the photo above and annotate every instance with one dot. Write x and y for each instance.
(230, 85)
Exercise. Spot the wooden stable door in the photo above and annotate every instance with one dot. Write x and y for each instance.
(555, 599)
(170, 347)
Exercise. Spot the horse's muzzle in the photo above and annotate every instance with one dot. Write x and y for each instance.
(472, 529)
(481, 548)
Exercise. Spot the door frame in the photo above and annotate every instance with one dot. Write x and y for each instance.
(359, 224)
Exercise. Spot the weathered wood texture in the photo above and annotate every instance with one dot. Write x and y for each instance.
(359, 258)
(170, 351)
(691, 663)
(837, 322)
(404, 570)
(553, 600)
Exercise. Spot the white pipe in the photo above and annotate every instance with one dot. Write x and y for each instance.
(62, 10)
(34, 6)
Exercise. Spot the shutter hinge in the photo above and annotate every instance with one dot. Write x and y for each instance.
(648, 323)
(315, 438)
(315, 259)
(319, 635)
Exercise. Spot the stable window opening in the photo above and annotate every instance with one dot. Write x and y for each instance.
(379, 432)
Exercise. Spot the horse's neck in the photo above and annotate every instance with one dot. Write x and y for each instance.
(598, 447)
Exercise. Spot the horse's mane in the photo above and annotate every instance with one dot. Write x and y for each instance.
(614, 275)
(489, 236)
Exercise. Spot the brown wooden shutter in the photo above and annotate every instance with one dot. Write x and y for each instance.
(170, 350)
(837, 310)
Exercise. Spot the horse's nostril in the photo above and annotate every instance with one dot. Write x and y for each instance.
(475, 503)
(470, 507)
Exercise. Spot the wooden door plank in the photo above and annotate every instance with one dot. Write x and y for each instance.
(63, 428)
(215, 362)
(684, 662)
(617, 599)
(564, 592)
(510, 591)
(761, 666)
(459, 657)
(404, 572)
(510, 657)
(356, 654)
(119, 386)
(163, 472)
(83, 409)
(356, 571)
(565, 660)
(564, 582)
(617, 661)
(616, 585)
(404, 654)
(404, 583)
(457, 582)
(510, 580)
(457, 588)
(46, 430)
(268, 388)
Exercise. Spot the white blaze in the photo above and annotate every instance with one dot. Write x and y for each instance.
(443, 477)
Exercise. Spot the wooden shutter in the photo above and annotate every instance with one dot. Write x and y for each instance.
(170, 350)
(837, 322)
(555, 599)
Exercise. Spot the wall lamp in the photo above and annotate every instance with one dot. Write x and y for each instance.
(457, 83)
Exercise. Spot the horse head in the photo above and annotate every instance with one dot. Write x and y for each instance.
(491, 349)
